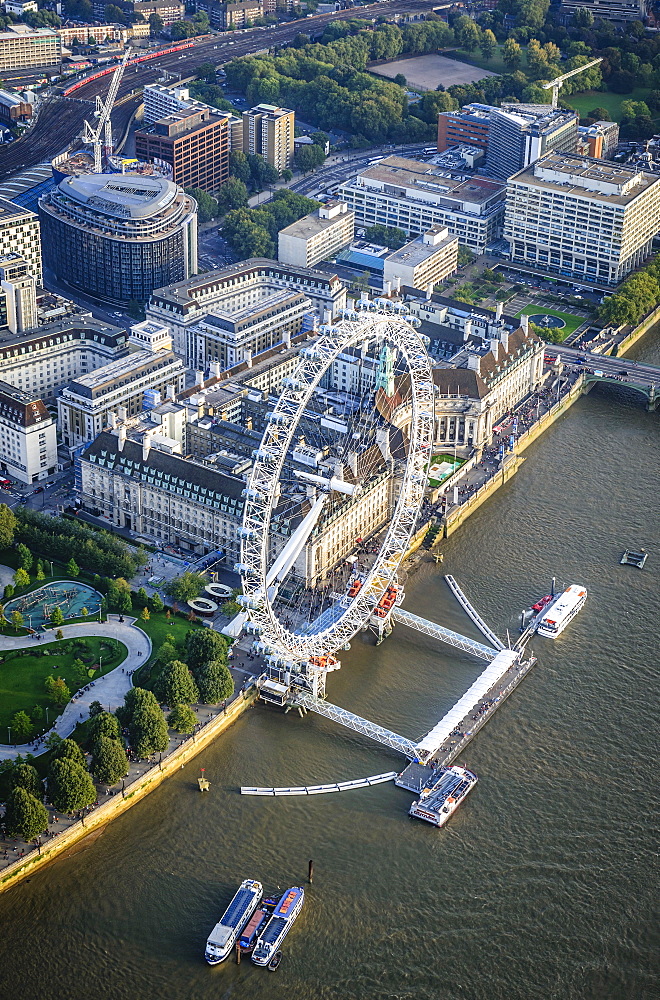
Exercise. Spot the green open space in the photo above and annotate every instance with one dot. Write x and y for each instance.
(23, 672)
(495, 65)
(590, 99)
(157, 628)
(572, 322)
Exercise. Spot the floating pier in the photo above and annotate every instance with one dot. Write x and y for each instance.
(337, 786)
(636, 559)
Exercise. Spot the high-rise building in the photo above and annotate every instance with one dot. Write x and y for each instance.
(20, 293)
(469, 125)
(520, 133)
(583, 218)
(28, 442)
(119, 236)
(317, 236)
(269, 132)
(22, 47)
(19, 234)
(194, 142)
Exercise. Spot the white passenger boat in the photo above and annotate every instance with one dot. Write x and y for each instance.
(562, 610)
(224, 935)
(279, 925)
(439, 800)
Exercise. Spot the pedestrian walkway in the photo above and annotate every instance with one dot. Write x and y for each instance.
(109, 690)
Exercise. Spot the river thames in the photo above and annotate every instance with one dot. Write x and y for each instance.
(542, 885)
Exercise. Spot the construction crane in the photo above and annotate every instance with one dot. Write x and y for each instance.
(555, 85)
(92, 133)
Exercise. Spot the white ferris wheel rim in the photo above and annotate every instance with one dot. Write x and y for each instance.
(261, 491)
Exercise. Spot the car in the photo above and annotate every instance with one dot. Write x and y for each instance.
(623, 374)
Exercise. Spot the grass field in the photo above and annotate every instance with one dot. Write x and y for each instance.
(494, 65)
(22, 676)
(572, 322)
(591, 99)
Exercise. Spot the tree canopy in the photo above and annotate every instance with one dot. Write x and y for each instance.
(25, 816)
(70, 786)
(177, 685)
(215, 682)
(185, 587)
(204, 645)
(109, 760)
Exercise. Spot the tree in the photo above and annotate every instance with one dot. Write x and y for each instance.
(177, 685)
(8, 591)
(21, 725)
(207, 206)
(511, 54)
(109, 760)
(72, 568)
(488, 44)
(17, 619)
(155, 24)
(157, 603)
(186, 586)
(21, 578)
(233, 194)
(114, 14)
(600, 114)
(148, 732)
(142, 597)
(40, 571)
(239, 166)
(468, 33)
(203, 646)
(59, 634)
(103, 724)
(57, 616)
(69, 750)
(309, 157)
(389, 236)
(57, 691)
(215, 682)
(25, 558)
(400, 80)
(25, 816)
(583, 18)
(70, 786)
(27, 777)
(167, 653)
(145, 614)
(8, 524)
(182, 719)
(465, 256)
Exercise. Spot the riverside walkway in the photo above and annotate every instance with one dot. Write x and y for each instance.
(109, 689)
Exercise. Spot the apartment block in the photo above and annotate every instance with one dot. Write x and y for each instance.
(317, 236)
(269, 132)
(583, 218)
(28, 441)
(607, 10)
(20, 234)
(22, 47)
(416, 196)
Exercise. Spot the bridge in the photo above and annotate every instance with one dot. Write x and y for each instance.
(616, 371)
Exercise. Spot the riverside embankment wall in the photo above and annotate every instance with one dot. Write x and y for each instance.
(118, 804)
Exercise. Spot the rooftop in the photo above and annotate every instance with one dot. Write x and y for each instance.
(312, 224)
(125, 196)
(417, 251)
(585, 176)
(427, 179)
(117, 373)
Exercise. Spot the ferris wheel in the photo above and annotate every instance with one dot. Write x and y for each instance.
(337, 483)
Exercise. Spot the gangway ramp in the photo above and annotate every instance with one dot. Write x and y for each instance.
(434, 739)
(357, 724)
(443, 634)
(473, 613)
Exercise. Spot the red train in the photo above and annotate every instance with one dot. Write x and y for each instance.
(131, 62)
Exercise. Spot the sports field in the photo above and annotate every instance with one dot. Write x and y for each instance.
(426, 72)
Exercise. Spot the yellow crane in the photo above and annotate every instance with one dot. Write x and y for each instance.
(555, 85)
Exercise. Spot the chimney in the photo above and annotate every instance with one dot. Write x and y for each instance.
(397, 283)
(524, 322)
(474, 362)
(387, 288)
(146, 447)
(504, 340)
(122, 413)
(199, 379)
(215, 369)
(112, 419)
(121, 434)
(170, 392)
(327, 316)
(495, 347)
(429, 290)
(498, 310)
(287, 335)
(467, 330)
(248, 358)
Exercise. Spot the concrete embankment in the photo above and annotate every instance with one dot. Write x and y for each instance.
(119, 803)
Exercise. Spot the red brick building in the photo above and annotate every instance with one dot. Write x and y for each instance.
(194, 143)
(468, 126)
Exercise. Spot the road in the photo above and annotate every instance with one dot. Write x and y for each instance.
(60, 119)
(621, 369)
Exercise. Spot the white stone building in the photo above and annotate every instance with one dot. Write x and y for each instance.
(28, 441)
(317, 236)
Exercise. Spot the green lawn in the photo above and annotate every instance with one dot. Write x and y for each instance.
(572, 322)
(590, 99)
(22, 675)
(495, 65)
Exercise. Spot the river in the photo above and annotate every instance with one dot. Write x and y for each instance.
(542, 884)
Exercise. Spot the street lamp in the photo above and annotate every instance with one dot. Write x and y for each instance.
(9, 731)
(51, 566)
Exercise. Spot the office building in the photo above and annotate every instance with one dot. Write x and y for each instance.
(19, 234)
(416, 196)
(425, 261)
(317, 236)
(23, 47)
(119, 236)
(598, 140)
(28, 441)
(44, 360)
(582, 218)
(607, 10)
(520, 133)
(470, 125)
(269, 132)
(85, 406)
(185, 305)
(194, 142)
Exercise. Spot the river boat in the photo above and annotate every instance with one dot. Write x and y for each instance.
(441, 797)
(279, 925)
(275, 961)
(252, 929)
(562, 610)
(224, 935)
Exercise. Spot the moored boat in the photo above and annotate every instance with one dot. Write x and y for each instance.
(224, 935)
(562, 610)
(279, 925)
(275, 961)
(441, 798)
